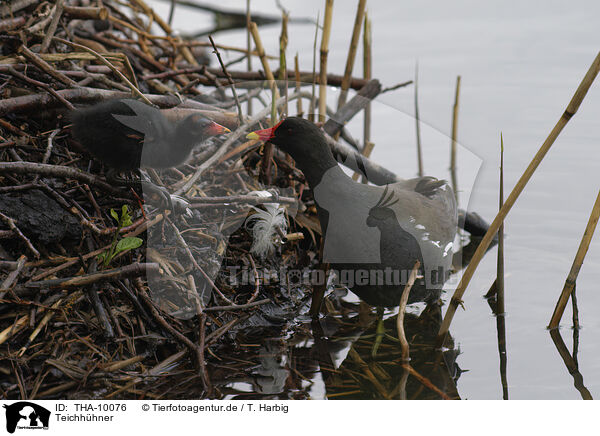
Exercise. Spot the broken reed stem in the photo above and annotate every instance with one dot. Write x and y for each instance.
(367, 74)
(571, 110)
(229, 79)
(454, 134)
(500, 311)
(283, 41)
(402, 308)
(248, 48)
(265, 64)
(500, 262)
(299, 110)
(311, 107)
(418, 122)
(577, 262)
(358, 21)
(323, 66)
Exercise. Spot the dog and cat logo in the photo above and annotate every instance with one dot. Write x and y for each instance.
(26, 415)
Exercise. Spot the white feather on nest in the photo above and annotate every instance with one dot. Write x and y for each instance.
(266, 225)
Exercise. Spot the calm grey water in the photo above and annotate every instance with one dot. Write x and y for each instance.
(520, 63)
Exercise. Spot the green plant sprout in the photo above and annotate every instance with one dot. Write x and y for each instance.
(119, 245)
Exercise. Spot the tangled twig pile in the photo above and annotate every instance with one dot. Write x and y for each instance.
(86, 311)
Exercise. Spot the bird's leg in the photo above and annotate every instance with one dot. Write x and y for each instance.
(112, 176)
(379, 332)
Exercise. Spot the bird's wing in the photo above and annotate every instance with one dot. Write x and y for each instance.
(147, 120)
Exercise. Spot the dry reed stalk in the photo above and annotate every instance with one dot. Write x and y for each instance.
(358, 21)
(418, 122)
(577, 262)
(249, 49)
(299, 110)
(323, 66)
(500, 262)
(402, 308)
(454, 134)
(571, 110)
(311, 106)
(265, 64)
(500, 310)
(367, 74)
(283, 42)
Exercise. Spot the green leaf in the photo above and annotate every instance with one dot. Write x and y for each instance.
(128, 244)
(114, 214)
(125, 216)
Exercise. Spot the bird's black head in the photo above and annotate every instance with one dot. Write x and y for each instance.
(304, 141)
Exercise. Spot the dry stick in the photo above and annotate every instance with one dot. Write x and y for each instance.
(29, 168)
(248, 48)
(12, 276)
(231, 138)
(106, 62)
(229, 78)
(41, 85)
(577, 262)
(418, 122)
(571, 110)
(323, 66)
(86, 13)
(12, 226)
(133, 270)
(187, 250)
(236, 306)
(180, 337)
(56, 14)
(358, 21)
(401, 310)
(45, 66)
(336, 122)
(500, 311)
(454, 133)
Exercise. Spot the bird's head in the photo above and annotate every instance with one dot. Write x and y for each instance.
(198, 126)
(303, 140)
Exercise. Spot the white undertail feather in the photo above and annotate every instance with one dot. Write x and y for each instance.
(264, 225)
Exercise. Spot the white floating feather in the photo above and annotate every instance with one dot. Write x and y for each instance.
(264, 225)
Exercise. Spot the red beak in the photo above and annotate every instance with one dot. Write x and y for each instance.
(216, 129)
(263, 135)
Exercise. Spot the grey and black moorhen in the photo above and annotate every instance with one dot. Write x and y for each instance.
(126, 135)
(373, 235)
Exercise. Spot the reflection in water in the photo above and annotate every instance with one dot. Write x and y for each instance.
(331, 358)
(571, 363)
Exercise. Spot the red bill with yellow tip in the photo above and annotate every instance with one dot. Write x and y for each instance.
(216, 129)
(264, 134)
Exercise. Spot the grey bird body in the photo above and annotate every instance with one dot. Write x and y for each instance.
(373, 235)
